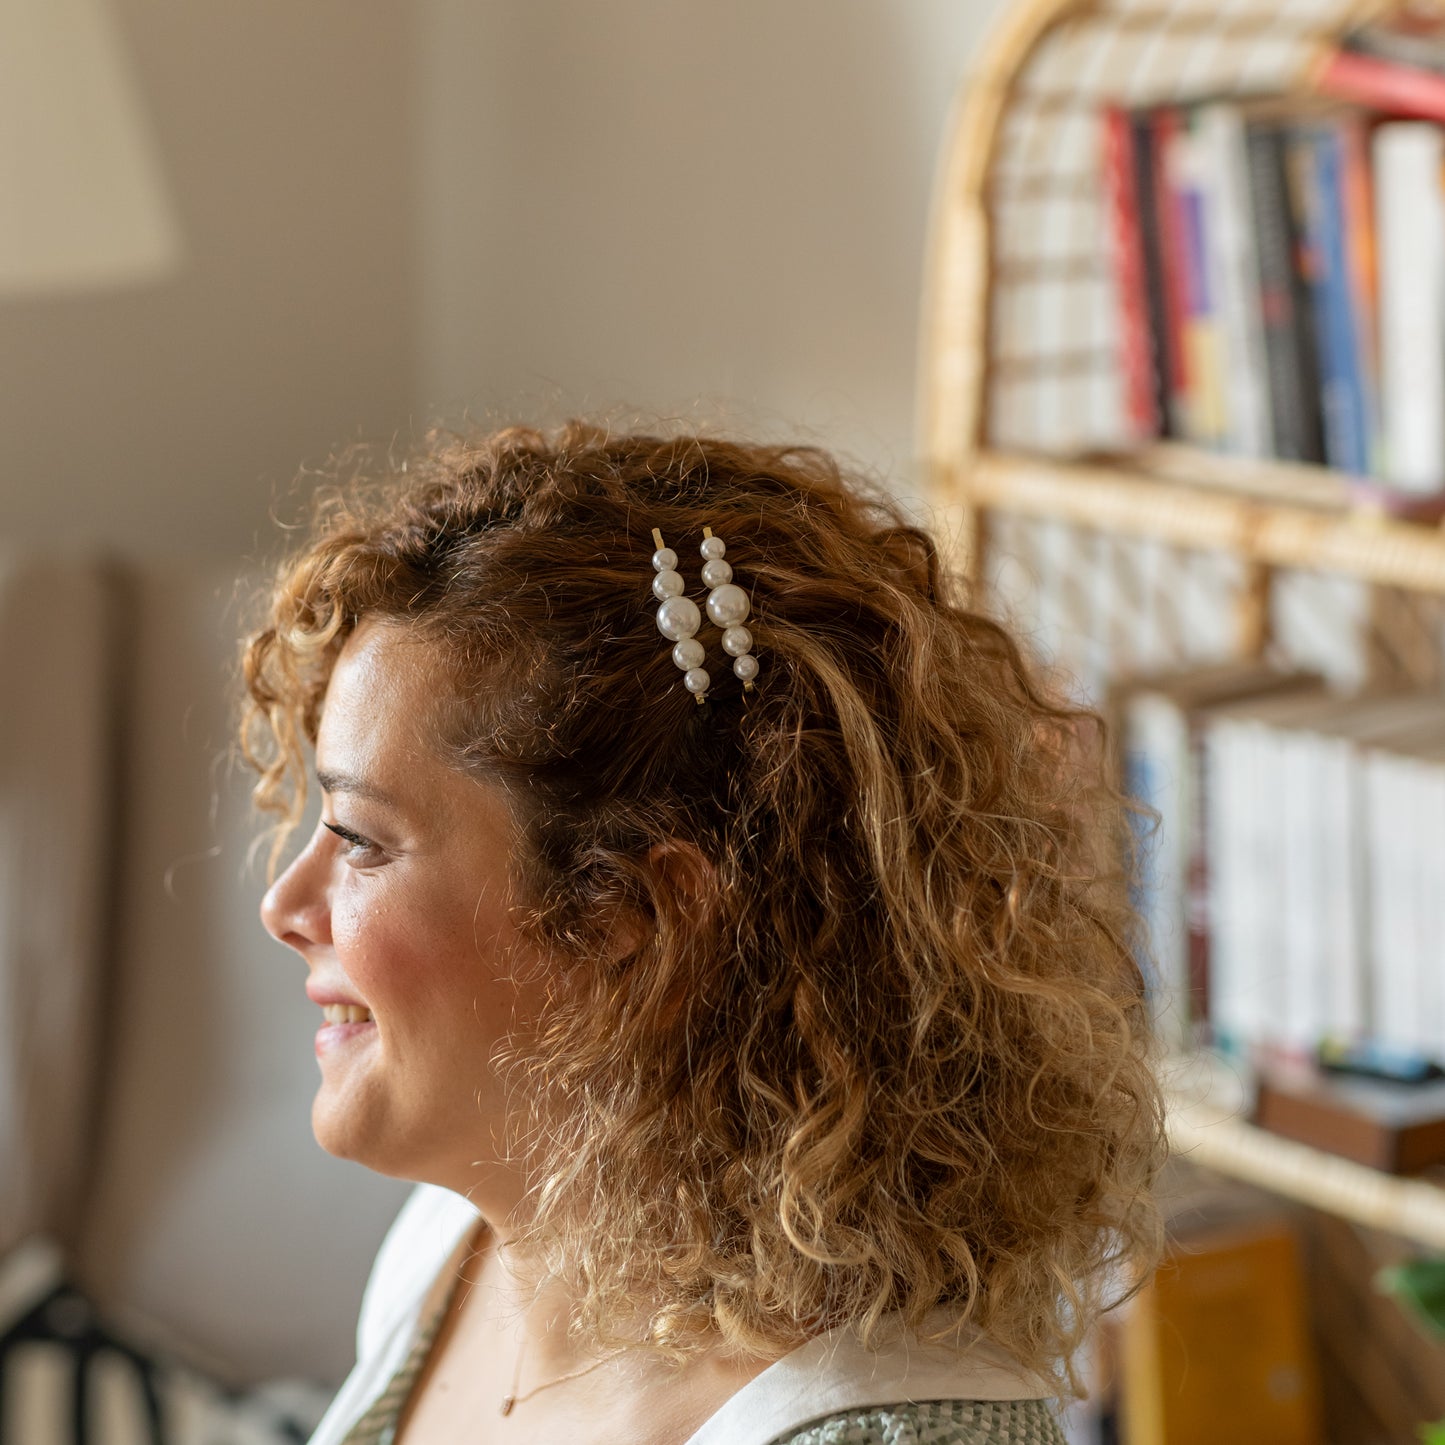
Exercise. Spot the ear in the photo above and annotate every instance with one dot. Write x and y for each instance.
(680, 870)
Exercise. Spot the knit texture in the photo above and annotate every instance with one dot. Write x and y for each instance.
(936, 1422)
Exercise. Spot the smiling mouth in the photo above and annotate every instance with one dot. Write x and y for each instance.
(346, 1013)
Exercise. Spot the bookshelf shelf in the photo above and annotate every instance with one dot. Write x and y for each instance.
(1126, 499)
(1207, 1105)
(1021, 405)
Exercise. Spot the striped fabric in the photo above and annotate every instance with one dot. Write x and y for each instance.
(67, 1377)
(378, 1425)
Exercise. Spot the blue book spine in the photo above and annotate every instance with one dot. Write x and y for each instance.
(1342, 381)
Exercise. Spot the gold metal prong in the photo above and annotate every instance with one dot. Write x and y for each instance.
(657, 537)
(707, 531)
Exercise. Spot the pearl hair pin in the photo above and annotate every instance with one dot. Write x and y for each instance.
(727, 605)
(678, 618)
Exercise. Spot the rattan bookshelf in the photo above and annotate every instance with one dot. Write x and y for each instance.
(1021, 422)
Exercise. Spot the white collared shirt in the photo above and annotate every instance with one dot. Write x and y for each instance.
(822, 1377)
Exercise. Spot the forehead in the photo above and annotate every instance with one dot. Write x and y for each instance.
(381, 702)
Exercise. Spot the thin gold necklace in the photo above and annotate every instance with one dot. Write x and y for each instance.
(514, 1398)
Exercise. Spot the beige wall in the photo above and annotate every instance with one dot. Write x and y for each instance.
(397, 211)
(647, 202)
(160, 420)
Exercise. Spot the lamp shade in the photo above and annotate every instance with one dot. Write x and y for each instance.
(82, 201)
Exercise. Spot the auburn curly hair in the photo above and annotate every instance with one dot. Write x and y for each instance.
(893, 1052)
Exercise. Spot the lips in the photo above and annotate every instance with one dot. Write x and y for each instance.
(345, 1022)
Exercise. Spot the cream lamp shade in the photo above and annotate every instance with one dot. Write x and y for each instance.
(82, 202)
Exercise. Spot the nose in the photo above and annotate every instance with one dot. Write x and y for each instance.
(296, 909)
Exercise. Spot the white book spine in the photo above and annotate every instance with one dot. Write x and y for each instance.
(1156, 753)
(1341, 844)
(1301, 859)
(1426, 883)
(1391, 951)
(1264, 883)
(1410, 237)
(1233, 263)
(1221, 850)
(1433, 903)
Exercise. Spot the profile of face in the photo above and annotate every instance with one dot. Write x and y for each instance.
(399, 907)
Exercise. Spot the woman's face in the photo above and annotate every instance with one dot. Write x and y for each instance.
(398, 905)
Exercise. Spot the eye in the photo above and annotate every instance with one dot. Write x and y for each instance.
(360, 852)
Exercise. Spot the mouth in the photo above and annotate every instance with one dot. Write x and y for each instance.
(344, 1024)
(346, 1013)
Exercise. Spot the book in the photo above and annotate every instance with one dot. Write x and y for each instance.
(1404, 787)
(1154, 720)
(1310, 882)
(1166, 125)
(1383, 85)
(1217, 1345)
(1315, 160)
(1136, 353)
(1409, 158)
(1283, 303)
(1396, 1128)
(1232, 256)
(1146, 171)
(1404, 38)
(1190, 184)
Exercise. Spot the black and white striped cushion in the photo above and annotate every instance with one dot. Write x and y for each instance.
(67, 1378)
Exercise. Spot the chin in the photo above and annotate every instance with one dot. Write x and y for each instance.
(345, 1133)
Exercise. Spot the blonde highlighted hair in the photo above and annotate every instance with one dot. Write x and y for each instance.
(891, 1051)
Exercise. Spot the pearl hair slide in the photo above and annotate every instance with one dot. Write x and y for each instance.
(679, 618)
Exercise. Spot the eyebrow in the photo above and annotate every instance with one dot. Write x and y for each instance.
(334, 782)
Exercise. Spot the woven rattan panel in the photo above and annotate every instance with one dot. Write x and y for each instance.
(1052, 377)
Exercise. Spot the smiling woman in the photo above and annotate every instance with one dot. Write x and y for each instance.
(732, 949)
(399, 905)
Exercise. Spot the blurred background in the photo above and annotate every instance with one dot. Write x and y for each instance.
(235, 239)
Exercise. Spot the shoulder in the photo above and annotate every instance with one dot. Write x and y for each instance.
(936, 1422)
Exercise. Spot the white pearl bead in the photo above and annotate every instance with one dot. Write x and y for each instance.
(712, 547)
(736, 641)
(688, 653)
(664, 559)
(678, 618)
(746, 667)
(695, 679)
(727, 604)
(716, 572)
(666, 584)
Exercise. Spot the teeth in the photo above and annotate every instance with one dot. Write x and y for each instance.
(345, 1013)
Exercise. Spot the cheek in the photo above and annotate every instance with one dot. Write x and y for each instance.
(410, 951)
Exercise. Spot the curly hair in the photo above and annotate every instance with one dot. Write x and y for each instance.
(892, 1053)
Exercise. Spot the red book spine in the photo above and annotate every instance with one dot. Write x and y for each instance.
(1136, 359)
(1382, 85)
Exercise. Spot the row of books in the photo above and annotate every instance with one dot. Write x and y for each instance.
(1294, 884)
(1280, 273)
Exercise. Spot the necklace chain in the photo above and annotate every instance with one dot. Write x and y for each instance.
(514, 1398)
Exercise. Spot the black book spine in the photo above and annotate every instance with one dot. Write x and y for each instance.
(1274, 245)
(1142, 127)
(1307, 342)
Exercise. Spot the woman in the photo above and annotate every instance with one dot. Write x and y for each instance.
(708, 909)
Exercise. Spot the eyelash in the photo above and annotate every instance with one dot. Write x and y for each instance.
(356, 841)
